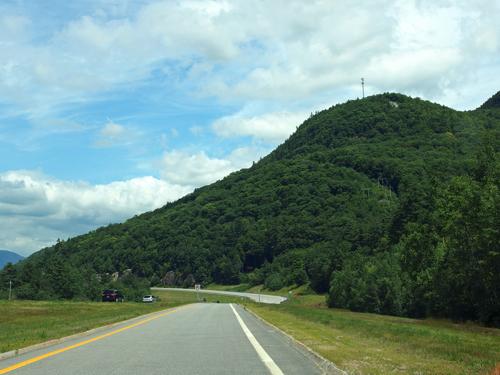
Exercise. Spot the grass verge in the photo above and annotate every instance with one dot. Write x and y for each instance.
(375, 344)
(25, 323)
(284, 292)
(228, 288)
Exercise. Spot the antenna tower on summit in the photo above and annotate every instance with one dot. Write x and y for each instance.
(363, 86)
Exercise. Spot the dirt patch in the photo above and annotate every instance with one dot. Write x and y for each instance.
(496, 370)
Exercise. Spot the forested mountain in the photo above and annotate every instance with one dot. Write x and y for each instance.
(7, 256)
(390, 204)
(493, 102)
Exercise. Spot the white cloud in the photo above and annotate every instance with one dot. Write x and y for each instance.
(271, 127)
(267, 60)
(244, 157)
(92, 54)
(113, 134)
(112, 130)
(193, 169)
(197, 169)
(425, 48)
(35, 209)
(240, 50)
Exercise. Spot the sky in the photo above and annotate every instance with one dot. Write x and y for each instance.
(113, 108)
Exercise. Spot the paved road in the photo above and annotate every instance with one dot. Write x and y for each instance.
(263, 298)
(204, 338)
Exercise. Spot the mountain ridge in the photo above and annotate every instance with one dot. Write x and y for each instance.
(7, 256)
(358, 186)
(492, 103)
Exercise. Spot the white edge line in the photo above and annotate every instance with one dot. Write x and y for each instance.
(325, 362)
(265, 358)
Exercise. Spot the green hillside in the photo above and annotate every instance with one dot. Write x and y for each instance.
(390, 204)
(492, 103)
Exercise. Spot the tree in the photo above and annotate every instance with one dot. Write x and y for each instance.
(227, 270)
(368, 284)
(65, 281)
(189, 281)
(169, 279)
(8, 278)
(468, 281)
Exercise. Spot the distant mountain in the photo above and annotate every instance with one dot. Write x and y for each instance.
(7, 256)
(390, 204)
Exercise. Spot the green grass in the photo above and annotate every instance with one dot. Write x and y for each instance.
(375, 344)
(259, 289)
(24, 323)
(285, 291)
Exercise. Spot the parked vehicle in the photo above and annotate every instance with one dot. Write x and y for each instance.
(112, 295)
(148, 299)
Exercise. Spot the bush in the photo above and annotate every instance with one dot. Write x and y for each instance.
(274, 282)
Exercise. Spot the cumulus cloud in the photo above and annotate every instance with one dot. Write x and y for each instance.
(197, 169)
(272, 127)
(96, 53)
(244, 50)
(35, 209)
(280, 56)
(187, 169)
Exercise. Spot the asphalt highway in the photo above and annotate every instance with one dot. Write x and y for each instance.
(203, 338)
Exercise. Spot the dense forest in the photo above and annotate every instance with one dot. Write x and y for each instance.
(387, 204)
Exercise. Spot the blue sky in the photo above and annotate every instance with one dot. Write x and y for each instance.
(113, 108)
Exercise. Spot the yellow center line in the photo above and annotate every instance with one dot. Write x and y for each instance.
(65, 349)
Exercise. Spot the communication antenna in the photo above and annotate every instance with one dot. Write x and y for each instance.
(363, 86)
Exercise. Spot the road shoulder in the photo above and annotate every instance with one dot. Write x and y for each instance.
(270, 336)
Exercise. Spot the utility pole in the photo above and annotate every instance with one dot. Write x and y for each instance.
(363, 86)
(10, 290)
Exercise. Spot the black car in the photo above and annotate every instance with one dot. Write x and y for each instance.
(112, 295)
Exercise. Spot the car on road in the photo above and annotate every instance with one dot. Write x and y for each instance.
(148, 299)
(112, 295)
